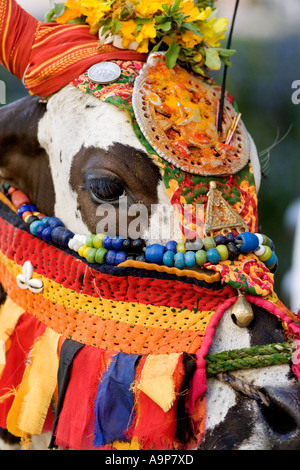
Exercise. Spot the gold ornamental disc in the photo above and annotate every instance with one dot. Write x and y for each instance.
(177, 113)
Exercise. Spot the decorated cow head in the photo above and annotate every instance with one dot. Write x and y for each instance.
(148, 149)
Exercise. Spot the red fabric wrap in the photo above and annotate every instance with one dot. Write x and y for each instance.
(48, 56)
(17, 31)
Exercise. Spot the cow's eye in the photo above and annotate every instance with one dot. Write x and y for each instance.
(104, 189)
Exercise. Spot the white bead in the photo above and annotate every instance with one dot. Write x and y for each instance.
(260, 250)
(260, 238)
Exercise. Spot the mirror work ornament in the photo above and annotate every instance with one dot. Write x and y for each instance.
(177, 112)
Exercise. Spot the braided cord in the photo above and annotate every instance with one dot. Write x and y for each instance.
(246, 358)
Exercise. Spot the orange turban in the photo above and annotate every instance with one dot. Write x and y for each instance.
(48, 56)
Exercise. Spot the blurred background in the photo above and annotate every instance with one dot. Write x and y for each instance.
(267, 62)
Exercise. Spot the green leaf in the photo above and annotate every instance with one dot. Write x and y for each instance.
(157, 46)
(116, 25)
(59, 9)
(49, 16)
(212, 59)
(165, 26)
(172, 54)
(175, 6)
(192, 27)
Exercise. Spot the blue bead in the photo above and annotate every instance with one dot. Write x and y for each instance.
(26, 208)
(272, 260)
(45, 221)
(220, 240)
(121, 256)
(190, 259)
(55, 222)
(154, 253)
(61, 235)
(34, 226)
(171, 246)
(247, 242)
(230, 237)
(46, 234)
(39, 230)
(110, 257)
(107, 242)
(65, 236)
(116, 243)
(179, 260)
(213, 256)
(168, 258)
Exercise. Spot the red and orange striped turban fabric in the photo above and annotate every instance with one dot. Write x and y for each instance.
(48, 56)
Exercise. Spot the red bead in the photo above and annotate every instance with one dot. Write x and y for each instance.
(26, 214)
(19, 198)
(11, 190)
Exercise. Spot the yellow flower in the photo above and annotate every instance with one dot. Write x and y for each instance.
(190, 40)
(148, 8)
(72, 11)
(127, 31)
(194, 14)
(148, 31)
(214, 30)
(144, 46)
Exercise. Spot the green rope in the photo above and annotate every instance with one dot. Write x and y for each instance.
(247, 358)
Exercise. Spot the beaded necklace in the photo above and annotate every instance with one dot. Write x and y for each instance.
(104, 249)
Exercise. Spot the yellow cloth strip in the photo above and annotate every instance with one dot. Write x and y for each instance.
(9, 316)
(157, 379)
(33, 397)
(132, 313)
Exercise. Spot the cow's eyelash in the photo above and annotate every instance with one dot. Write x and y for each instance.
(104, 189)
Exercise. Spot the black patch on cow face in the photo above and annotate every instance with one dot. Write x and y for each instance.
(236, 428)
(101, 176)
(265, 328)
(23, 163)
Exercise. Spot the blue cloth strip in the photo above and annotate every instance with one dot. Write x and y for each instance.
(114, 402)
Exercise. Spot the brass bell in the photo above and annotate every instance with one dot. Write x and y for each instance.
(242, 312)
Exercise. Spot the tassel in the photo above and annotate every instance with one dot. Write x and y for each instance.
(154, 428)
(75, 425)
(29, 409)
(183, 430)
(26, 332)
(157, 379)
(9, 316)
(68, 351)
(114, 404)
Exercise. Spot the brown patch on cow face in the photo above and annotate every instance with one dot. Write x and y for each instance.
(121, 173)
(23, 163)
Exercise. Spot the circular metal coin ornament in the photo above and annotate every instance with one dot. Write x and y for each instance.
(104, 72)
(177, 113)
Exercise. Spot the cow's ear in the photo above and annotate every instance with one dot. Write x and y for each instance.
(23, 162)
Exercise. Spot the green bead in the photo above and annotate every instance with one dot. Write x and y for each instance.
(90, 257)
(100, 255)
(201, 257)
(97, 240)
(266, 240)
(181, 248)
(209, 242)
(267, 254)
(223, 251)
(89, 240)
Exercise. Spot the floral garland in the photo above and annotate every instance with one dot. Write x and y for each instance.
(188, 31)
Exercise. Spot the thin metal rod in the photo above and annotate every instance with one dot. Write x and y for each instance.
(221, 109)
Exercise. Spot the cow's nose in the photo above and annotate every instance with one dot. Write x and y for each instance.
(282, 416)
